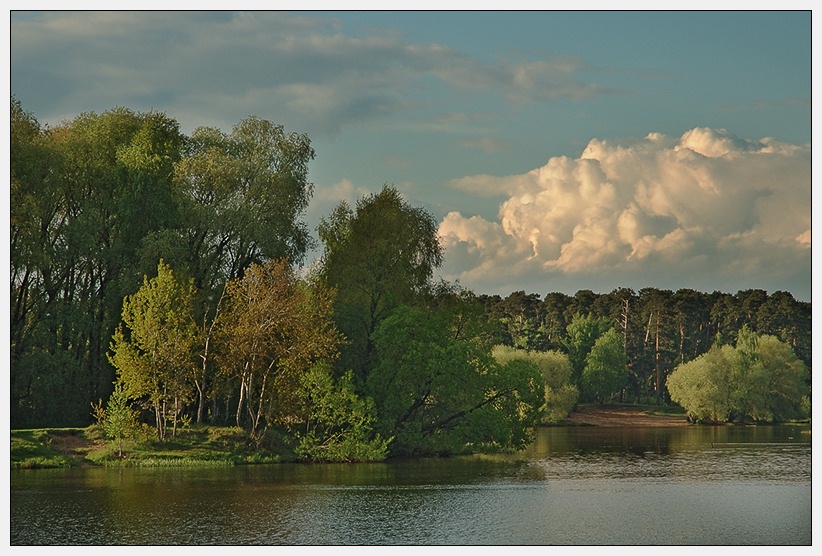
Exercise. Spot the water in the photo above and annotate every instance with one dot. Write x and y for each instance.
(573, 486)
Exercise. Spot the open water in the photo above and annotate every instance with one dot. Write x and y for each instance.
(574, 486)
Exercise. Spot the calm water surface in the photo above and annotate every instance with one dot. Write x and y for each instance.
(573, 486)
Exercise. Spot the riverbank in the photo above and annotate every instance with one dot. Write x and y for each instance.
(627, 416)
(204, 445)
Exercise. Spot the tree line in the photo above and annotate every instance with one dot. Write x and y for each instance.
(660, 329)
(160, 274)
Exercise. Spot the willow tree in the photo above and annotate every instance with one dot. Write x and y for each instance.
(760, 379)
(273, 328)
(438, 390)
(153, 352)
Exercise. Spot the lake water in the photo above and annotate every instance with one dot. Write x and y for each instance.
(573, 486)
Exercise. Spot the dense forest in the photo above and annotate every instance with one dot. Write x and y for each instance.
(160, 276)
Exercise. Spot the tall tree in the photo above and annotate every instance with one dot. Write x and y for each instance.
(242, 197)
(378, 257)
(101, 183)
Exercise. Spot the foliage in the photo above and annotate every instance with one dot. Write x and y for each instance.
(275, 326)
(606, 370)
(97, 200)
(583, 332)
(118, 420)
(241, 197)
(560, 394)
(153, 352)
(760, 379)
(439, 392)
(338, 426)
(378, 257)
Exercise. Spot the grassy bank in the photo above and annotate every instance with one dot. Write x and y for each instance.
(202, 445)
(195, 446)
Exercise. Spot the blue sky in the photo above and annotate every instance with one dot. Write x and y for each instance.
(560, 150)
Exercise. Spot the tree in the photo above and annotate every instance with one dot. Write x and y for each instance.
(583, 332)
(438, 391)
(338, 424)
(378, 257)
(273, 329)
(241, 199)
(760, 379)
(118, 419)
(84, 195)
(701, 386)
(560, 394)
(606, 370)
(153, 353)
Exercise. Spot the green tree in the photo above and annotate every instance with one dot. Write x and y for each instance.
(583, 333)
(438, 391)
(84, 195)
(273, 329)
(153, 353)
(560, 394)
(338, 424)
(379, 256)
(118, 419)
(606, 371)
(760, 379)
(701, 386)
(242, 197)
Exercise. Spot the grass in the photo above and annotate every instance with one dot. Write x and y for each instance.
(33, 449)
(197, 446)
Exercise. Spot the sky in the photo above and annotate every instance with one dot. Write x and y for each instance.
(558, 150)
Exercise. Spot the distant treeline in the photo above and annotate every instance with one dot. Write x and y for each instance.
(157, 273)
(660, 328)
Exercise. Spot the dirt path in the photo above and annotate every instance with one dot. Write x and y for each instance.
(623, 416)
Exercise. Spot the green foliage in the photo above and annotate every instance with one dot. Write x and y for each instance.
(760, 379)
(118, 419)
(241, 197)
(560, 394)
(439, 392)
(582, 334)
(378, 257)
(701, 386)
(605, 371)
(339, 424)
(274, 328)
(97, 200)
(153, 353)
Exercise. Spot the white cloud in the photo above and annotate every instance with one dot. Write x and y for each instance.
(706, 210)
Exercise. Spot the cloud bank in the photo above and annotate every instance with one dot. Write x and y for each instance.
(317, 78)
(707, 210)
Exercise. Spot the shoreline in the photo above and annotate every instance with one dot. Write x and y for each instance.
(624, 415)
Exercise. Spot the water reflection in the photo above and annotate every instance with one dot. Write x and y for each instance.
(582, 485)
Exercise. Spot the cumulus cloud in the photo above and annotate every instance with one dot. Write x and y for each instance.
(705, 210)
